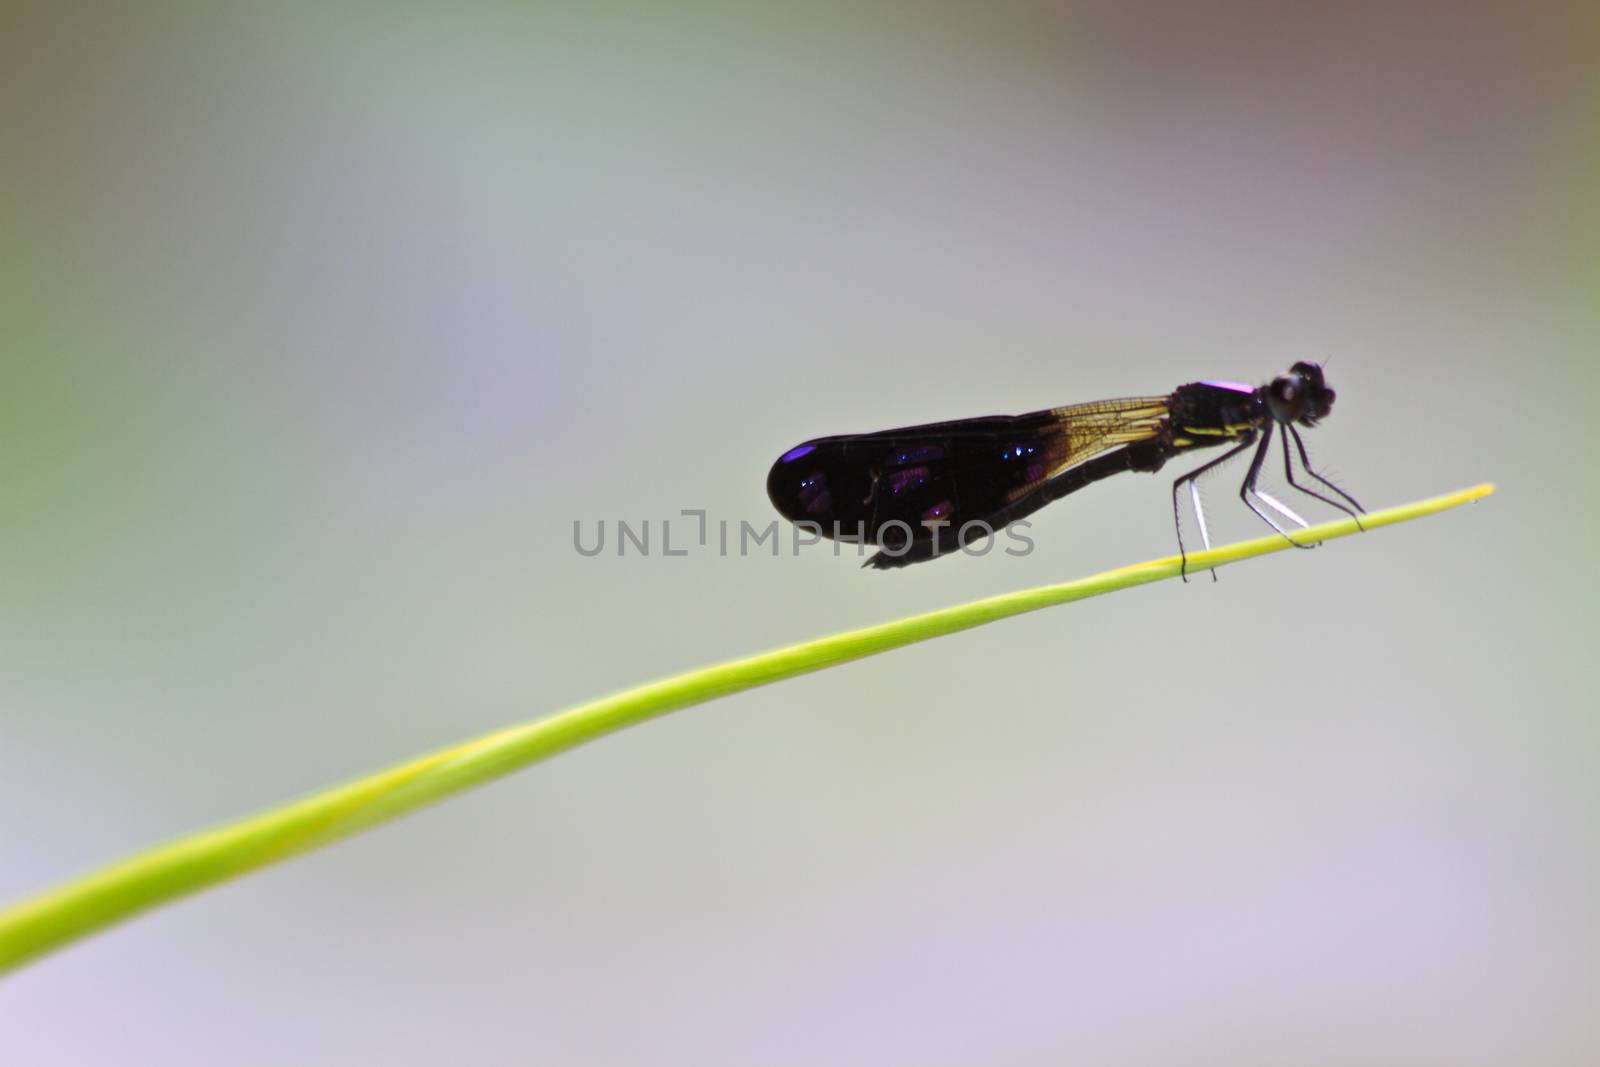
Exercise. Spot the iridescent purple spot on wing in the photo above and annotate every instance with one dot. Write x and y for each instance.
(1026, 462)
(918, 454)
(796, 453)
(908, 478)
(814, 495)
(940, 512)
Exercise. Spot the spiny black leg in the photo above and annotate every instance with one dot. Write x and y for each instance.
(1249, 487)
(1305, 463)
(1288, 472)
(1177, 517)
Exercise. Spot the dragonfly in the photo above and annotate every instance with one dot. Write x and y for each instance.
(921, 492)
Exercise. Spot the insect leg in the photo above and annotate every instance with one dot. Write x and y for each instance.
(1305, 463)
(1249, 488)
(1194, 494)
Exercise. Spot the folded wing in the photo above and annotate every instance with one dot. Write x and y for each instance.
(889, 487)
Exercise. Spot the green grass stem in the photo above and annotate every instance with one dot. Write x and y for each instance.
(56, 917)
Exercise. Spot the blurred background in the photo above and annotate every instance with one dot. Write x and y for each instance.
(321, 327)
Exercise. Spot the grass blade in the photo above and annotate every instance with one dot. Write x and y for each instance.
(38, 925)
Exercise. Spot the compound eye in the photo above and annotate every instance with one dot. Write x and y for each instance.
(1287, 397)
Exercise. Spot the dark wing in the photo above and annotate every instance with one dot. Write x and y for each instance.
(889, 487)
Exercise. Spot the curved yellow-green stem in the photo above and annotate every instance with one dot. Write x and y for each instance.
(35, 926)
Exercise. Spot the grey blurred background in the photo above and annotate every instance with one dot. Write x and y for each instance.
(319, 328)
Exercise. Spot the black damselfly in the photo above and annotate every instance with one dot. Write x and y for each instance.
(924, 491)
